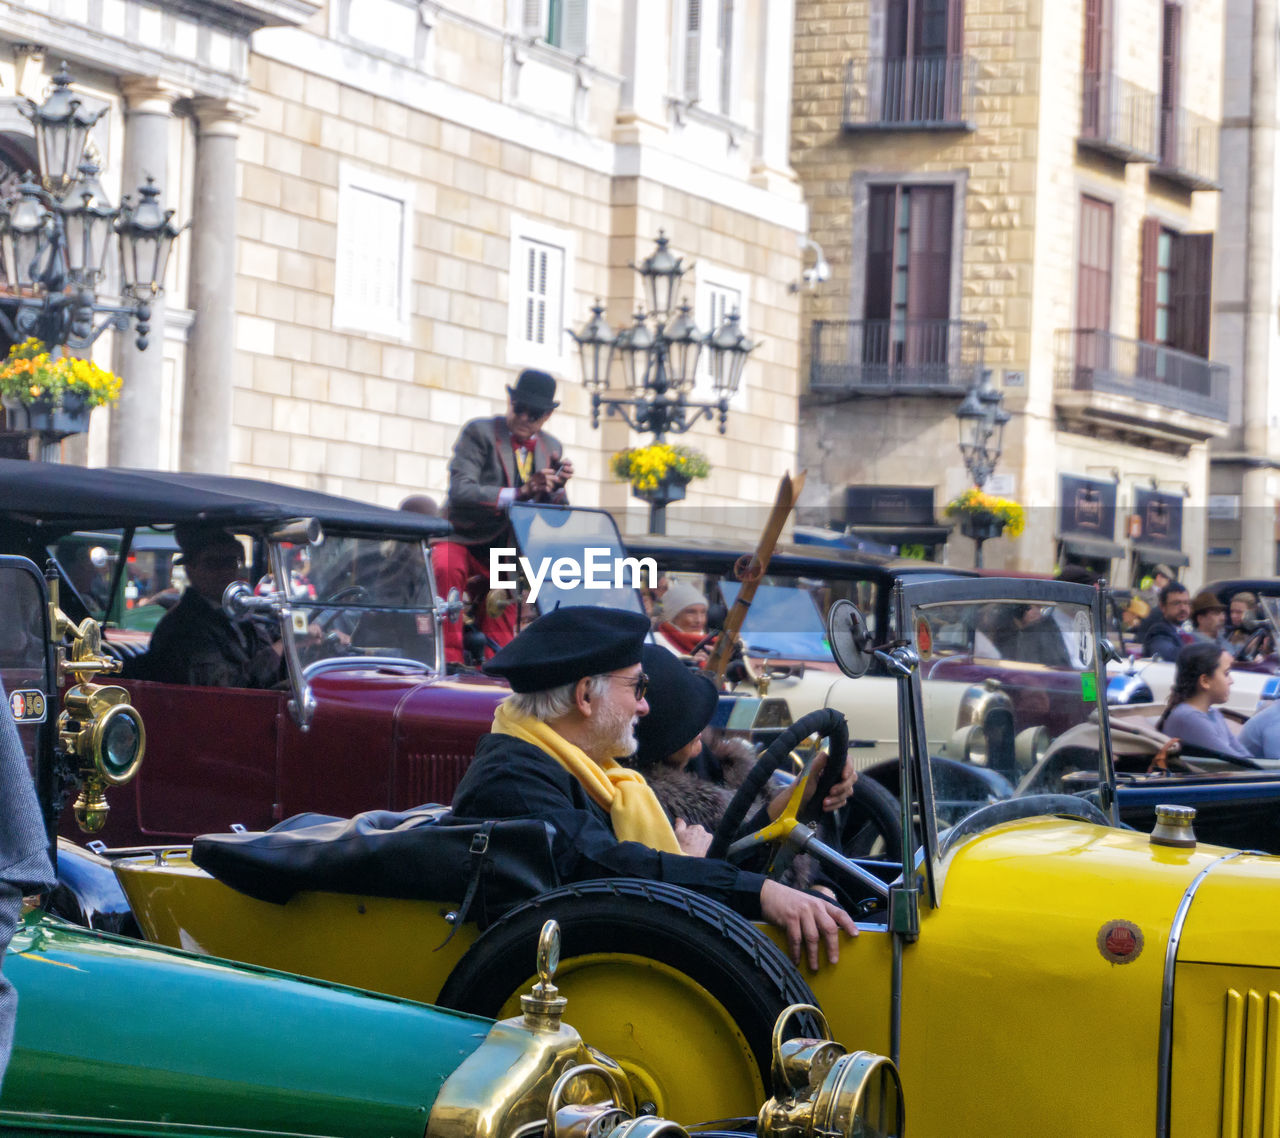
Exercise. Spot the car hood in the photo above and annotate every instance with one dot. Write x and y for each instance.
(1079, 877)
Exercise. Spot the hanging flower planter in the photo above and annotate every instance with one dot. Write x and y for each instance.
(670, 488)
(984, 516)
(52, 397)
(981, 526)
(660, 472)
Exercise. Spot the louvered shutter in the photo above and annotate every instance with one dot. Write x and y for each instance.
(692, 49)
(1192, 276)
(573, 37)
(533, 18)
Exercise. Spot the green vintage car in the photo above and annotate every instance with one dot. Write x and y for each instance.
(118, 1037)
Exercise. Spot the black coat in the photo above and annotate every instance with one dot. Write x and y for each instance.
(514, 779)
(1163, 638)
(197, 643)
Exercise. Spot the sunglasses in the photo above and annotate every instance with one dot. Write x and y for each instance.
(640, 684)
(525, 411)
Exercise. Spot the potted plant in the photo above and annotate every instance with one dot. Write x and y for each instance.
(660, 471)
(984, 516)
(52, 395)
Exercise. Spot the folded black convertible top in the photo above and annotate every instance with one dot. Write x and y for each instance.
(62, 498)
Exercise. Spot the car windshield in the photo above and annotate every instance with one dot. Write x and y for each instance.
(1010, 699)
(355, 596)
(574, 557)
(783, 621)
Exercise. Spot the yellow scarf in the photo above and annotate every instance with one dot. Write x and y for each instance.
(632, 805)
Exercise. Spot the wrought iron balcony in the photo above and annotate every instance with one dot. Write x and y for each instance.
(1188, 149)
(930, 92)
(1119, 118)
(1092, 360)
(895, 357)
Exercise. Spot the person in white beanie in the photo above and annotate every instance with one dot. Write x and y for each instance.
(683, 628)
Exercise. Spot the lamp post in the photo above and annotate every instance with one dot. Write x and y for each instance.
(982, 420)
(656, 359)
(56, 231)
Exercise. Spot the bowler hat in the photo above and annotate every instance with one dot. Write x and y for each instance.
(1206, 601)
(681, 703)
(535, 389)
(194, 539)
(569, 643)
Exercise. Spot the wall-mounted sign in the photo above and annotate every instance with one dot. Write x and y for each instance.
(1160, 516)
(1087, 506)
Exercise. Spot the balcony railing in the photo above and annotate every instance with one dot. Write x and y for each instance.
(1092, 360)
(1188, 149)
(895, 357)
(930, 92)
(1119, 118)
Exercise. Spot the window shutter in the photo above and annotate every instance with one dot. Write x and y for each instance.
(1192, 274)
(880, 231)
(573, 38)
(724, 36)
(1093, 67)
(533, 19)
(1149, 279)
(1093, 283)
(929, 275)
(692, 48)
(1170, 81)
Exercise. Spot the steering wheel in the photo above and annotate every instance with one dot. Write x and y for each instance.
(827, 723)
(327, 612)
(1251, 647)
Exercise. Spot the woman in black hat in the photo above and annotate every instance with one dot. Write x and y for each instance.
(692, 768)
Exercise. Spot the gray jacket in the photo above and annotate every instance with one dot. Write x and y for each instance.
(483, 464)
(24, 857)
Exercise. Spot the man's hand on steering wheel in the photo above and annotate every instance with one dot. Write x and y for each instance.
(836, 796)
(807, 920)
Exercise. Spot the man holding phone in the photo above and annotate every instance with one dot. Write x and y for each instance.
(496, 461)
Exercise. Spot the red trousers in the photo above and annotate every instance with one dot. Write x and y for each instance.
(454, 565)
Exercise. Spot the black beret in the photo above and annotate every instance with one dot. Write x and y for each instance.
(681, 703)
(569, 643)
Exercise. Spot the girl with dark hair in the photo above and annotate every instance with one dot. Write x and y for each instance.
(1203, 679)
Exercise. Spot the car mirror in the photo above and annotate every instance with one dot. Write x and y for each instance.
(849, 639)
(1110, 653)
(239, 601)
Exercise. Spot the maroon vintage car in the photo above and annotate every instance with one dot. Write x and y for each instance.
(365, 715)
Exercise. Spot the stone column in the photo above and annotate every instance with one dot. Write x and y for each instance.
(206, 404)
(136, 427)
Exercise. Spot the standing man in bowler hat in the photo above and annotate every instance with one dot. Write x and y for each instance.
(553, 755)
(497, 461)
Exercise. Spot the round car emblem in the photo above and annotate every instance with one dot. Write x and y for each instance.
(1120, 941)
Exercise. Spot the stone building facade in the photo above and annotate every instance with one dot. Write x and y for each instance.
(1244, 523)
(429, 193)
(1025, 187)
(172, 79)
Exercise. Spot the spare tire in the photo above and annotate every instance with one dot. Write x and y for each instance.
(680, 990)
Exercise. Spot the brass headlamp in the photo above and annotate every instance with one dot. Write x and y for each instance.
(98, 728)
(821, 1090)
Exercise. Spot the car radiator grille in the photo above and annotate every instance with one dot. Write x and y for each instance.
(1251, 1064)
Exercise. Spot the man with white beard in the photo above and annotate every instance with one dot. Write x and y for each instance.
(552, 755)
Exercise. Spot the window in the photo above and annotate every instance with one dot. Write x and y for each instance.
(1176, 290)
(908, 282)
(371, 277)
(1170, 82)
(1093, 297)
(389, 26)
(561, 23)
(718, 293)
(540, 268)
(1097, 66)
(923, 62)
(708, 53)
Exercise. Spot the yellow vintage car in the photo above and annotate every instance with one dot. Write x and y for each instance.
(1032, 967)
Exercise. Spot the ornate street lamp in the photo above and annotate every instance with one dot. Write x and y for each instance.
(656, 361)
(55, 234)
(982, 420)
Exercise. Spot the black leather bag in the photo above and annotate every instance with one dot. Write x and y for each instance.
(421, 854)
